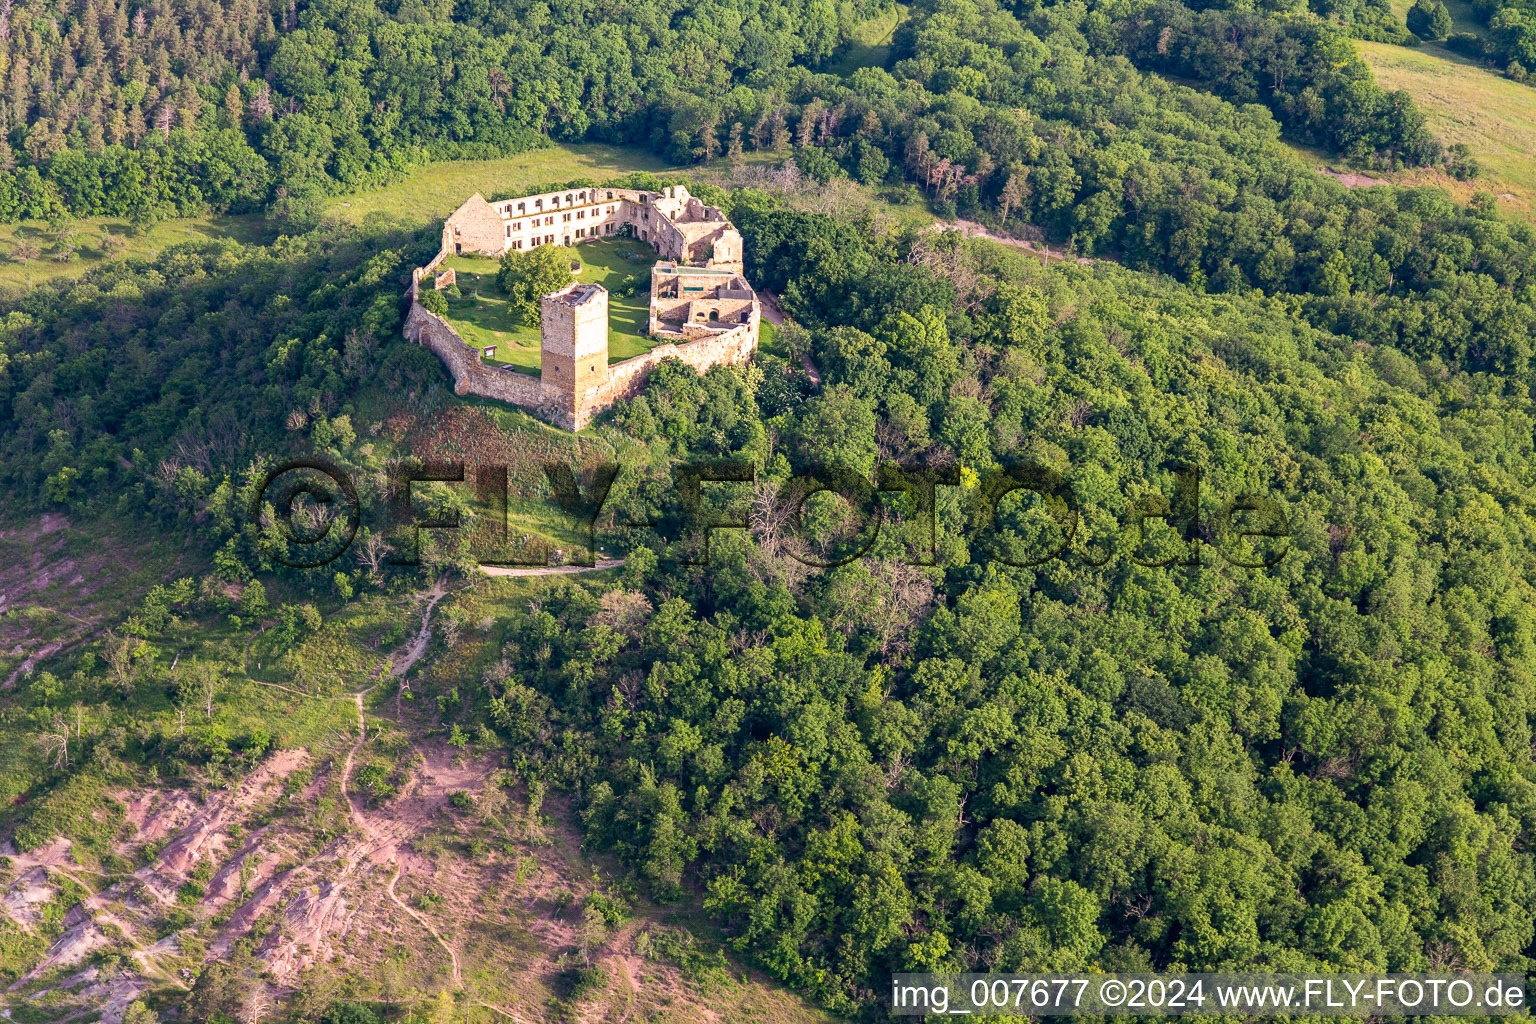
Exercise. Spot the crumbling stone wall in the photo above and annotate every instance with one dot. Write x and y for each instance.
(471, 376)
(678, 225)
(726, 348)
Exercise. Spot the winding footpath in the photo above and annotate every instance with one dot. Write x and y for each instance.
(551, 570)
(372, 834)
(375, 838)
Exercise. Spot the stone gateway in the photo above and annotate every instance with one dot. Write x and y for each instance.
(702, 309)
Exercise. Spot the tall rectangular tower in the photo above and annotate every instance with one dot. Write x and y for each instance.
(574, 357)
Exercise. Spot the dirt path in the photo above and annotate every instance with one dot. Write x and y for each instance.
(453, 956)
(424, 634)
(774, 315)
(102, 914)
(373, 835)
(31, 660)
(770, 305)
(377, 838)
(1350, 179)
(550, 570)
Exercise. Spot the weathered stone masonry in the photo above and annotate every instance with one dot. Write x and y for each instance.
(701, 308)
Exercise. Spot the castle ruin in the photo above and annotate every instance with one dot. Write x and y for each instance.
(702, 310)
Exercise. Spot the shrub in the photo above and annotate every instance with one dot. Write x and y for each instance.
(1469, 44)
(582, 982)
(433, 302)
(528, 276)
(349, 1013)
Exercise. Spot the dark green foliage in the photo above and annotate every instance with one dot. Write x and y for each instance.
(1304, 71)
(1091, 763)
(221, 986)
(528, 276)
(987, 768)
(433, 301)
(1510, 44)
(278, 113)
(204, 350)
(1429, 19)
(349, 1013)
(228, 105)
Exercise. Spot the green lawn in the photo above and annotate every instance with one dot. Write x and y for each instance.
(1463, 102)
(483, 315)
(870, 45)
(432, 192)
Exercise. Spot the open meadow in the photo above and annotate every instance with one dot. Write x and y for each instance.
(1464, 102)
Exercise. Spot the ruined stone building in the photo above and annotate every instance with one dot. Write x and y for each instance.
(702, 309)
(691, 302)
(677, 225)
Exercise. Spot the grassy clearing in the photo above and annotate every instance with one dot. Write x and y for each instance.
(1494, 116)
(436, 190)
(871, 43)
(91, 247)
(484, 316)
(427, 194)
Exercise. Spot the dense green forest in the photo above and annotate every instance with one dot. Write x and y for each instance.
(1095, 762)
(1137, 756)
(1510, 43)
(235, 107)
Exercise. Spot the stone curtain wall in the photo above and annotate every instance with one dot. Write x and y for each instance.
(726, 348)
(471, 376)
(427, 271)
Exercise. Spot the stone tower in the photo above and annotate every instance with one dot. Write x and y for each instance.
(574, 357)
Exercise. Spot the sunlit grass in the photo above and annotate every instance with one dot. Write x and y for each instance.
(91, 250)
(484, 316)
(1494, 116)
(870, 45)
(432, 192)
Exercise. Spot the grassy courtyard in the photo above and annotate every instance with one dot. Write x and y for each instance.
(483, 315)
